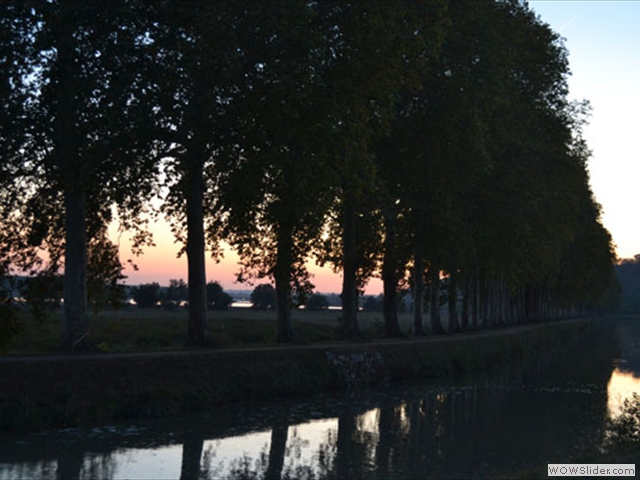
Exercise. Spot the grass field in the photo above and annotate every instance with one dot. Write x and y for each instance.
(133, 329)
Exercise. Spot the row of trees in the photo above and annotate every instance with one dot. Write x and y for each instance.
(263, 296)
(410, 140)
(42, 293)
(177, 293)
(628, 271)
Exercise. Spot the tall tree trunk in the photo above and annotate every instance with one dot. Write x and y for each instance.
(475, 300)
(483, 297)
(350, 265)
(465, 302)
(520, 313)
(418, 276)
(75, 329)
(282, 277)
(526, 315)
(390, 278)
(454, 326)
(390, 306)
(436, 325)
(490, 301)
(196, 329)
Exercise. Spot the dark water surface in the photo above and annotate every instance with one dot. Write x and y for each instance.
(492, 424)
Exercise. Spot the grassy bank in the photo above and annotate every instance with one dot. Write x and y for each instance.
(133, 329)
(39, 392)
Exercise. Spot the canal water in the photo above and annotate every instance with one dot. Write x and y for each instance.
(494, 424)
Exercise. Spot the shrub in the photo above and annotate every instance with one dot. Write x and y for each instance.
(263, 297)
(217, 298)
(317, 302)
(147, 295)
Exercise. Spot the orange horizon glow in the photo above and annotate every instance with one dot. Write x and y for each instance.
(621, 386)
(161, 264)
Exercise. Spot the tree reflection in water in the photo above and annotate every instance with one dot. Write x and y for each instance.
(93, 466)
(493, 424)
(497, 424)
(191, 455)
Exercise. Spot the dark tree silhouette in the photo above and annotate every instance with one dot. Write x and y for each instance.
(76, 156)
(263, 297)
(317, 302)
(146, 295)
(385, 138)
(217, 298)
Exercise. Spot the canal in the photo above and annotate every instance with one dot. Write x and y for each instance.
(549, 409)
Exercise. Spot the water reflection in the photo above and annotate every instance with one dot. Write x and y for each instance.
(621, 385)
(493, 424)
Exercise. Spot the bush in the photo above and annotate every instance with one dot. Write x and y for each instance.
(317, 302)
(9, 325)
(217, 298)
(173, 295)
(42, 292)
(147, 295)
(372, 303)
(263, 297)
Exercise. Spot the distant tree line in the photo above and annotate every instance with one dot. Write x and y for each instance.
(628, 271)
(149, 295)
(414, 141)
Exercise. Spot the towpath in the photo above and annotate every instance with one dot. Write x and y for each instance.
(426, 340)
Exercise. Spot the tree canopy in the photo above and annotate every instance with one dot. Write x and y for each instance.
(408, 140)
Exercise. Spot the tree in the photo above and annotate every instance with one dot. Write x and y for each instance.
(317, 302)
(217, 298)
(104, 273)
(263, 297)
(369, 206)
(380, 136)
(531, 201)
(42, 292)
(9, 324)
(628, 273)
(147, 295)
(373, 303)
(523, 227)
(198, 76)
(440, 134)
(176, 293)
(73, 80)
(374, 44)
(274, 191)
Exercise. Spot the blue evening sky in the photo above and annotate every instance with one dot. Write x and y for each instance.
(603, 40)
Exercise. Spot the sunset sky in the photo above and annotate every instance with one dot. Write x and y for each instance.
(603, 40)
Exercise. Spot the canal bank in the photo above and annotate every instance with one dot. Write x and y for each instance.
(62, 391)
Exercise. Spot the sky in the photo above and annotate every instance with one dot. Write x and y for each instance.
(603, 40)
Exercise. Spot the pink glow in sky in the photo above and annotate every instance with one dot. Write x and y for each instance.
(160, 264)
